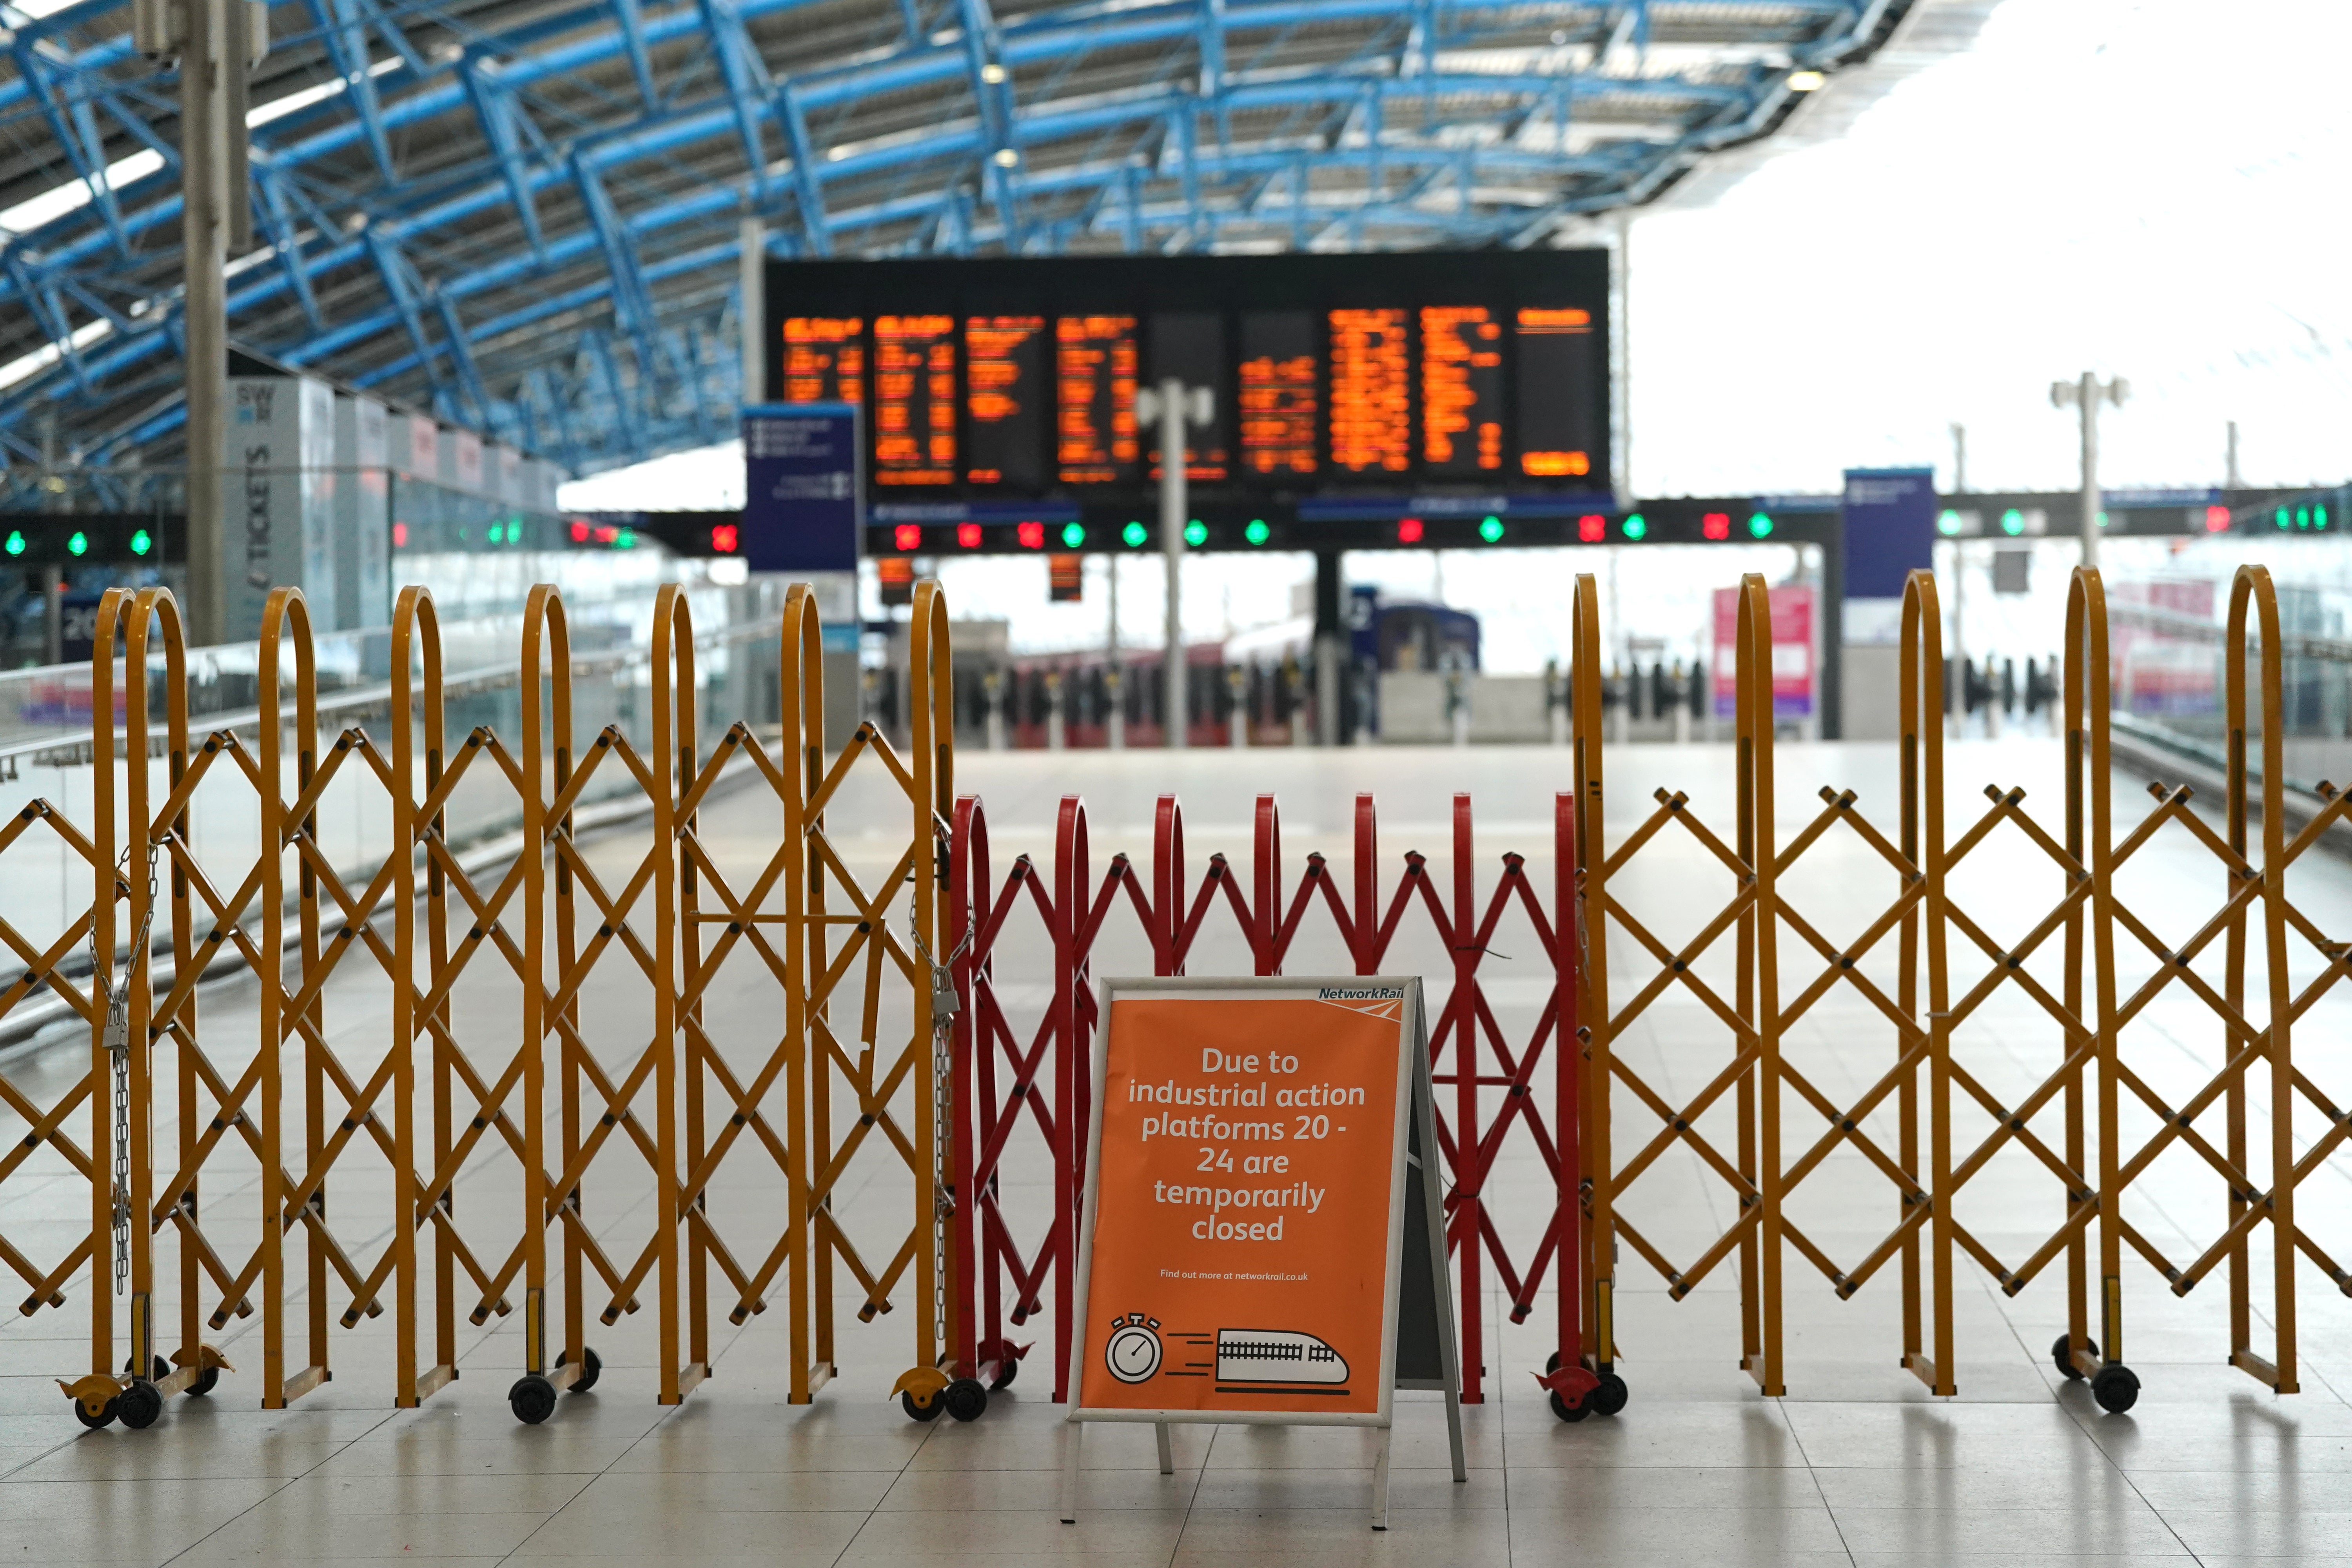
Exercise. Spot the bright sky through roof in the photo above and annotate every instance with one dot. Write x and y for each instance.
(2135, 187)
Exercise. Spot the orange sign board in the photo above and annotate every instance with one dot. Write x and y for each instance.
(1245, 1211)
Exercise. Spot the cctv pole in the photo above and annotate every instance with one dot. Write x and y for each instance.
(2087, 395)
(2084, 397)
(1168, 402)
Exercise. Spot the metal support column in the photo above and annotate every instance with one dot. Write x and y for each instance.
(204, 159)
(753, 252)
(1169, 406)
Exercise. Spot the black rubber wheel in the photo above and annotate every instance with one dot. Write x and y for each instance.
(1610, 1397)
(921, 1412)
(1576, 1411)
(140, 1405)
(532, 1399)
(103, 1418)
(207, 1380)
(2115, 1388)
(1552, 1363)
(2061, 1350)
(965, 1398)
(591, 1368)
(1006, 1371)
(161, 1369)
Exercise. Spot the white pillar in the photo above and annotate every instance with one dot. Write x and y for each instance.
(1172, 508)
(1056, 729)
(1114, 677)
(1238, 721)
(204, 159)
(993, 683)
(753, 252)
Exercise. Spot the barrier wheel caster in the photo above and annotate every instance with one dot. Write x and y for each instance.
(591, 1368)
(1552, 1363)
(160, 1370)
(207, 1380)
(1610, 1397)
(140, 1405)
(532, 1399)
(2115, 1387)
(104, 1418)
(1576, 1411)
(2061, 1350)
(1006, 1371)
(926, 1411)
(965, 1398)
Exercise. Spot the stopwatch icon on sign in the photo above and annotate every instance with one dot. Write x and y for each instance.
(1132, 1353)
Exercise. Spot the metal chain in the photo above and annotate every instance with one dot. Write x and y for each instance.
(117, 1039)
(945, 1005)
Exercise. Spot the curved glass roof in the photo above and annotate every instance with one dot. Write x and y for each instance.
(523, 215)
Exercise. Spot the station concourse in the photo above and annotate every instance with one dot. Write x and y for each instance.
(1200, 784)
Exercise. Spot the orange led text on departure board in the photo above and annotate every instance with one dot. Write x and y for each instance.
(824, 359)
(1461, 389)
(1094, 366)
(914, 400)
(1371, 415)
(1005, 385)
(1281, 388)
(1547, 337)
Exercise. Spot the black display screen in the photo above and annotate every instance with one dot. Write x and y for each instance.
(1422, 371)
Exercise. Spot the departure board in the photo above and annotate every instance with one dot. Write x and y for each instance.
(1372, 392)
(1094, 369)
(1280, 394)
(992, 382)
(1461, 390)
(1006, 402)
(914, 400)
(1559, 424)
(824, 359)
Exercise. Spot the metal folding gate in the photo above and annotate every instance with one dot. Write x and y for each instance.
(641, 1083)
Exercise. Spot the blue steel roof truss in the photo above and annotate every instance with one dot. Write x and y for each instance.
(529, 222)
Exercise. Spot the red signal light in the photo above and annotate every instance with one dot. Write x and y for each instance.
(2217, 520)
(579, 532)
(1716, 525)
(1409, 531)
(908, 536)
(723, 537)
(967, 535)
(1032, 535)
(400, 534)
(1592, 528)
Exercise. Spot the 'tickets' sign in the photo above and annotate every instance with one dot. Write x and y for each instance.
(1246, 1230)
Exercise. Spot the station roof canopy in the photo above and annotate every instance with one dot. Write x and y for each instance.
(524, 215)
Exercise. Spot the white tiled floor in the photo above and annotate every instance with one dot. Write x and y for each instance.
(1857, 1465)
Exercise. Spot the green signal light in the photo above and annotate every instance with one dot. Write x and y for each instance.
(1491, 531)
(625, 539)
(1949, 524)
(2319, 517)
(15, 545)
(1196, 534)
(141, 542)
(1257, 532)
(1760, 526)
(1074, 534)
(79, 545)
(2279, 517)
(497, 532)
(2103, 520)
(2013, 523)
(1135, 533)
(1635, 527)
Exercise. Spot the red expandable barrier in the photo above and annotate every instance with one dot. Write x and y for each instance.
(1049, 1069)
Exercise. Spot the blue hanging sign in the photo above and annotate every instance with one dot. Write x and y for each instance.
(804, 505)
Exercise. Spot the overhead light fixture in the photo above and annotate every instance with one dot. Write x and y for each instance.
(1006, 158)
(1806, 81)
(991, 73)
